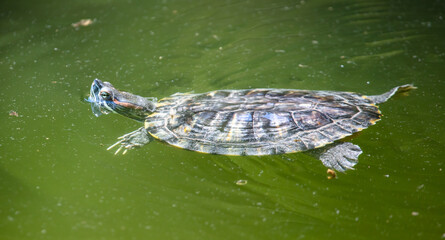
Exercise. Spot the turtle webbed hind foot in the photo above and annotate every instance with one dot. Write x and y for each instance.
(341, 157)
(131, 140)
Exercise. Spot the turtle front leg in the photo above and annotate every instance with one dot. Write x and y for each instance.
(132, 140)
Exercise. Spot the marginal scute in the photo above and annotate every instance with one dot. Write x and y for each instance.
(259, 121)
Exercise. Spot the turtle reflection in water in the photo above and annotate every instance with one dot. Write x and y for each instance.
(247, 122)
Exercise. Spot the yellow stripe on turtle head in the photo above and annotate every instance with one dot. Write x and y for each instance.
(153, 114)
(163, 103)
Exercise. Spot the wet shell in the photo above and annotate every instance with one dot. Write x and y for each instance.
(259, 121)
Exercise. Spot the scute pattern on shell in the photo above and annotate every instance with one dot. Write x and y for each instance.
(259, 121)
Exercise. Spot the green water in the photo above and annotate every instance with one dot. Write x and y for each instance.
(57, 181)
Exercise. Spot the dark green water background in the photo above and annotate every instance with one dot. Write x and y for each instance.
(57, 181)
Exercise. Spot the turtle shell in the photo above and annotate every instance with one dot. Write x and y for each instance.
(259, 121)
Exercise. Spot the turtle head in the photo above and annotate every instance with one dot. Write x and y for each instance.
(104, 98)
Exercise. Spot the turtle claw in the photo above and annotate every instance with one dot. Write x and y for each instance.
(114, 145)
(131, 140)
(118, 150)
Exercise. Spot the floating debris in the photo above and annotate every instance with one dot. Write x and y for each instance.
(332, 174)
(82, 23)
(13, 113)
(241, 182)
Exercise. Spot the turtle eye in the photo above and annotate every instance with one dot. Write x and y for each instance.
(105, 95)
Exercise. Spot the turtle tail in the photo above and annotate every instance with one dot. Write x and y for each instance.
(397, 90)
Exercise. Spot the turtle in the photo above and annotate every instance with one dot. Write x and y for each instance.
(263, 121)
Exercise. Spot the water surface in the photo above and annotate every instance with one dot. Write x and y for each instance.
(57, 181)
